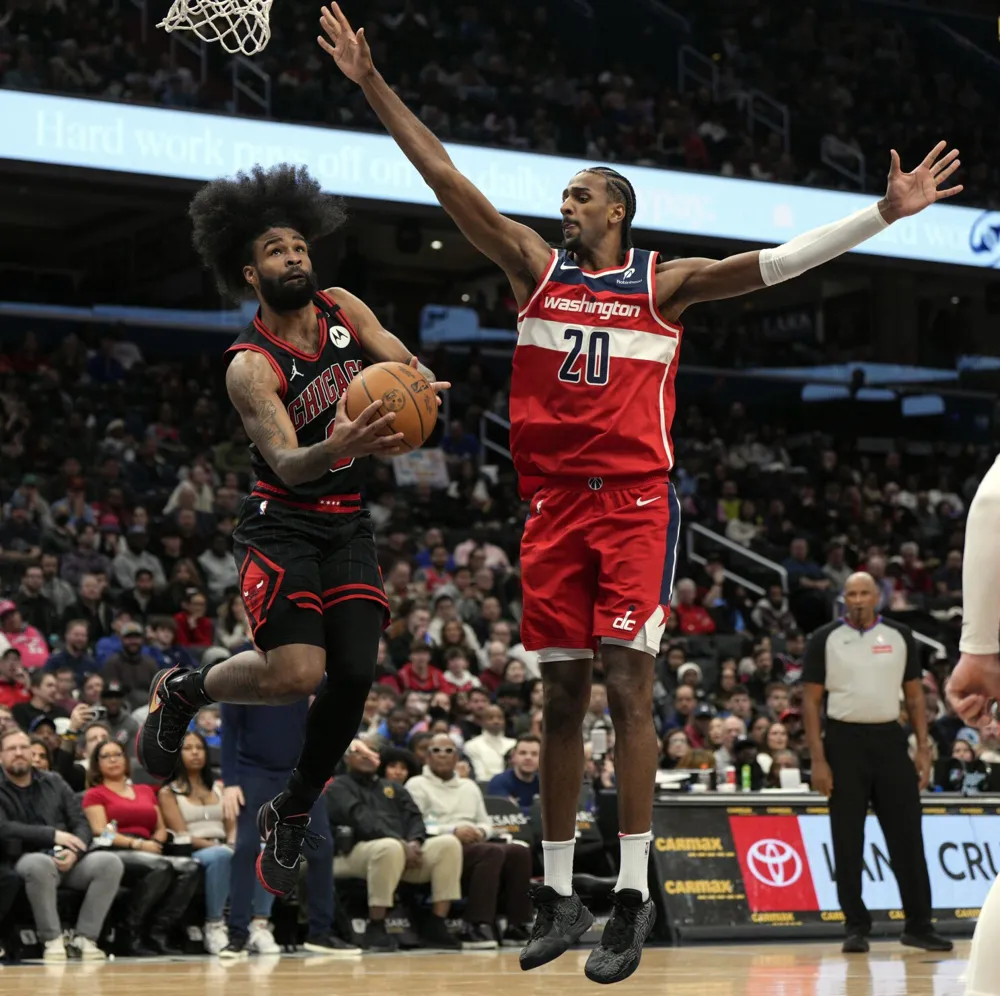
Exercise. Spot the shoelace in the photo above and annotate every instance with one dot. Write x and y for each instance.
(290, 838)
(619, 934)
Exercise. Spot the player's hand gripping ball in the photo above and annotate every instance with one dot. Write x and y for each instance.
(402, 389)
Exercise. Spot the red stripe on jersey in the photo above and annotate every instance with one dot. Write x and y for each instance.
(281, 343)
(250, 347)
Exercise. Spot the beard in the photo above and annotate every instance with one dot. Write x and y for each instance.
(281, 294)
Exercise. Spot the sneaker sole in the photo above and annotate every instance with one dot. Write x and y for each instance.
(332, 952)
(479, 945)
(233, 955)
(629, 969)
(579, 929)
(158, 680)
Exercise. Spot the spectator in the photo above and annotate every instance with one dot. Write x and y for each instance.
(745, 529)
(36, 610)
(418, 674)
(948, 579)
(42, 818)
(693, 618)
(140, 601)
(683, 708)
(123, 725)
(488, 751)
(13, 680)
(456, 806)
(43, 688)
(836, 570)
(218, 566)
(192, 806)
(739, 704)
(84, 559)
(789, 663)
(396, 765)
(519, 782)
(32, 645)
(733, 729)
(808, 587)
(597, 710)
(392, 845)
(776, 697)
(194, 628)
(112, 644)
(71, 757)
(164, 649)
(135, 557)
(232, 630)
(674, 747)
(169, 884)
(457, 676)
(20, 539)
(92, 607)
(59, 593)
(697, 728)
(772, 614)
(131, 667)
(40, 757)
(445, 611)
(74, 652)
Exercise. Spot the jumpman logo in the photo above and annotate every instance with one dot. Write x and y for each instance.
(295, 372)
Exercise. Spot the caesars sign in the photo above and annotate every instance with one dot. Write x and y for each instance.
(774, 865)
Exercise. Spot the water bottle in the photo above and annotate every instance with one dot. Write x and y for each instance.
(745, 777)
(107, 837)
(729, 785)
(598, 740)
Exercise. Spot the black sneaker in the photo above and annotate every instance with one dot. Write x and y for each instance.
(559, 922)
(617, 956)
(855, 944)
(236, 949)
(158, 742)
(478, 937)
(377, 938)
(929, 941)
(284, 838)
(329, 945)
(515, 936)
(434, 933)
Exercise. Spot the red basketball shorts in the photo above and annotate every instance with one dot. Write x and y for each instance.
(598, 565)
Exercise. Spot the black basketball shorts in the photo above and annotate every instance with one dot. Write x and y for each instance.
(295, 564)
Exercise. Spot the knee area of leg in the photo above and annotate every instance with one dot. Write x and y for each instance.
(39, 868)
(449, 844)
(108, 865)
(388, 848)
(563, 711)
(299, 678)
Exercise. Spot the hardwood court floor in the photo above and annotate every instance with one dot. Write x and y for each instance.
(745, 970)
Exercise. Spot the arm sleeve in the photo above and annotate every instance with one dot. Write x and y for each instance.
(814, 659)
(347, 808)
(981, 569)
(820, 245)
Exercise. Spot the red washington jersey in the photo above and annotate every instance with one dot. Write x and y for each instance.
(592, 389)
(309, 384)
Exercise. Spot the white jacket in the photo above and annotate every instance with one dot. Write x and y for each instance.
(487, 753)
(445, 805)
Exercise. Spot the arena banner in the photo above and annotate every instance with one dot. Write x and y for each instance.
(722, 866)
(154, 141)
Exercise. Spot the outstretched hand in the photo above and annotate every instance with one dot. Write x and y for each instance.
(349, 49)
(909, 193)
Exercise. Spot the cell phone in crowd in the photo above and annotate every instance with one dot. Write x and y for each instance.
(99, 712)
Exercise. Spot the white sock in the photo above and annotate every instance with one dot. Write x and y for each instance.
(557, 858)
(983, 974)
(634, 873)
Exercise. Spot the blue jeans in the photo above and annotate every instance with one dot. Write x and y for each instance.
(216, 861)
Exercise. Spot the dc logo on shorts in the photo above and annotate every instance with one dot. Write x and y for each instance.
(595, 483)
(339, 336)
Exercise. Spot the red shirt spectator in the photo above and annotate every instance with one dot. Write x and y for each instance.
(136, 817)
(33, 648)
(194, 628)
(417, 675)
(12, 691)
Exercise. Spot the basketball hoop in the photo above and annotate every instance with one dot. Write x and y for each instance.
(240, 26)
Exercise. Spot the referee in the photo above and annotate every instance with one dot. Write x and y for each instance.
(859, 663)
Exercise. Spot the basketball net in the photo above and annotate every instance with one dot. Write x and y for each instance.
(238, 25)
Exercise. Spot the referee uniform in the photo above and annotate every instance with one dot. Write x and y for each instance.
(862, 672)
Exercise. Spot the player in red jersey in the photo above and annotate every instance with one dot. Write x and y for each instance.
(592, 400)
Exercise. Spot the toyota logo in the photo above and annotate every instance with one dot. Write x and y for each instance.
(775, 863)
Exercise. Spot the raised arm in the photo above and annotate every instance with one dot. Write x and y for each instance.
(683, 282)
(253, 388)
(520, 252)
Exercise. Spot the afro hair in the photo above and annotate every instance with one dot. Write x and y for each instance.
(229, 214)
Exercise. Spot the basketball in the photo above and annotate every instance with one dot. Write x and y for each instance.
(402, 390)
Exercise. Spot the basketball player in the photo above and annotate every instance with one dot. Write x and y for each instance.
(305, 548)
(592, 401)
(974, 688)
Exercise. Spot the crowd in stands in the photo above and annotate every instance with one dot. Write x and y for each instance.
(512, 75)
(120, 481)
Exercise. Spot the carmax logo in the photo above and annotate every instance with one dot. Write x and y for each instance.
(984, 239)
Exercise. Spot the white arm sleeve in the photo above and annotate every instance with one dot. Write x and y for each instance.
(820, 245)
(981, 569)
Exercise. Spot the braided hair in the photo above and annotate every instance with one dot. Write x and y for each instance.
(622, 192)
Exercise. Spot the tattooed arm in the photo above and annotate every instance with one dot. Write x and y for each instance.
(253, 389)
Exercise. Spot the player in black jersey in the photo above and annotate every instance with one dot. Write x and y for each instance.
(309, 575)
